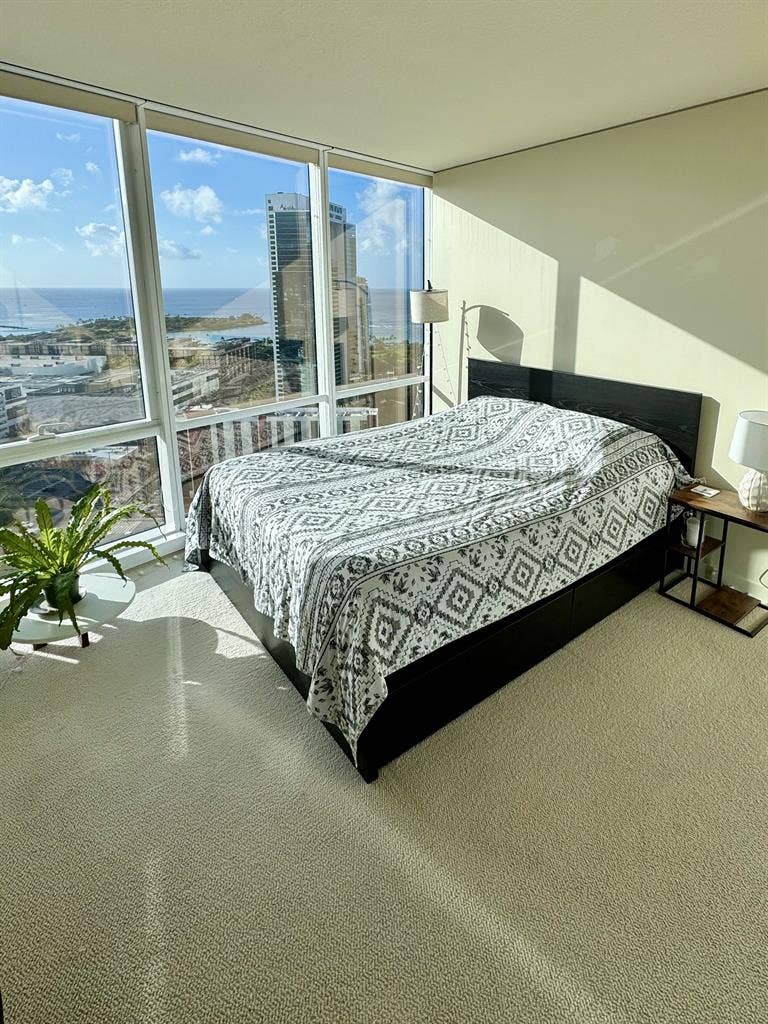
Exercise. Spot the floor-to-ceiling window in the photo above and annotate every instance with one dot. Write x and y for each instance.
(174, 292)
(73, 407)
(376, 252)
(235, 245)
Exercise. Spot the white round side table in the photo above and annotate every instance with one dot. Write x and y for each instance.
(106, 596)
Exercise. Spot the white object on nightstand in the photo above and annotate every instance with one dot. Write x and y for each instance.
(692, 530)
(106, 596)
(749, 448)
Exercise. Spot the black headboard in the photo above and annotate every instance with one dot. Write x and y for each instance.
(672, 415)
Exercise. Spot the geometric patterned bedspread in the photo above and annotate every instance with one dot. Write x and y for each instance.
(373, 549)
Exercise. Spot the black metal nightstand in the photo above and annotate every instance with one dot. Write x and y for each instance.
(724, 604)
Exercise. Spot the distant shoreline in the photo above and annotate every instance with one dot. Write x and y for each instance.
(26, 312)
(96, 327)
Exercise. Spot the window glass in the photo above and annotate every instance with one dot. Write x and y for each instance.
(235, 247)
(202, 447)
(377, 256)
(69, 356)
(130, 471)
(380, 408)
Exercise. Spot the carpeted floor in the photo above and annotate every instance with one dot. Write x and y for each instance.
(180, 842)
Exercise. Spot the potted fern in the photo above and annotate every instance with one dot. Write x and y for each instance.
(47, 562)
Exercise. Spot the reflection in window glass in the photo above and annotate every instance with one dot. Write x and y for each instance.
(202, 447)
(68, 350)
(235, 245)
(130, 471)
(380, 408)
(377, 256)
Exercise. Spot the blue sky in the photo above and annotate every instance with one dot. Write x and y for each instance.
(61, 220)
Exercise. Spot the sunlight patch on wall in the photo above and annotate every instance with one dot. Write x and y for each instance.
(620, 340)
(511, 293)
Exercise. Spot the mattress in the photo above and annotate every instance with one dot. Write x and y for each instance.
(374, 549)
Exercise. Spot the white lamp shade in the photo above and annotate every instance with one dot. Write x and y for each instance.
(749, 446)
(429, 307)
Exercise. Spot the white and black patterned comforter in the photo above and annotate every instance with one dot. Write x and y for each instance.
(372, 549)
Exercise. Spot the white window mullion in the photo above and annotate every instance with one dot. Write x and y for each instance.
(373, 386)
(248, 413)
(145, 268)
(428, 355)
(51, 446)
(149, 385)
(321, 262)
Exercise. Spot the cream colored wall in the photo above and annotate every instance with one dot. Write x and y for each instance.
(639, 254)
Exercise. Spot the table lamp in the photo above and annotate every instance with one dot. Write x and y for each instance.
(429, 306)
(749, 448)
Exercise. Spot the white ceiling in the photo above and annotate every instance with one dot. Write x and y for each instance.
(431, 83)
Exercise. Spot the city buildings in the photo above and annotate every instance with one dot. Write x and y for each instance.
(289, 231)
(289, 234)
(349, 302)
(14, 413)
(62, 480)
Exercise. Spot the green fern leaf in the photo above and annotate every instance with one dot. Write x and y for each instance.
(62, 588)
(114, 562)
(119, 545)
(22, 599)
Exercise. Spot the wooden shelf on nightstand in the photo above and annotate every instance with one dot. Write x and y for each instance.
(728, 605)
(709, 545)
(724, 604)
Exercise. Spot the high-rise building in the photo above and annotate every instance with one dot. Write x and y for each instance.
(350, 302)
(290, 252)
(363, 297)
(289, 231)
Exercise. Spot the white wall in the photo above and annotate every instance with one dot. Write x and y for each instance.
(639, 253)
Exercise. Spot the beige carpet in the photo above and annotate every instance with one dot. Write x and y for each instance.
(181, 842)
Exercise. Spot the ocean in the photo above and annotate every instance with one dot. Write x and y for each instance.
(27, 310)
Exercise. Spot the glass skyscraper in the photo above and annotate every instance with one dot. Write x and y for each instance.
(289, 231)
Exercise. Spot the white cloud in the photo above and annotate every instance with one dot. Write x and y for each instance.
(207, 230)
(198, 155)
(64, 178)
(92, 167)
(102, 239)
(109, 208)
(200, 203)
(233, 251)
(27, 240)
(68, 137)
(251, 211)
(177, 251)
(18, 195)
(383, 227)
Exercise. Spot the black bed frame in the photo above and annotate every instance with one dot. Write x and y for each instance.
(432, 691)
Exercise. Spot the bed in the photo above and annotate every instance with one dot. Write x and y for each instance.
(399, 575)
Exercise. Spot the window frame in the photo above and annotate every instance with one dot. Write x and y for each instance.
(334, 160)
(130, 117)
